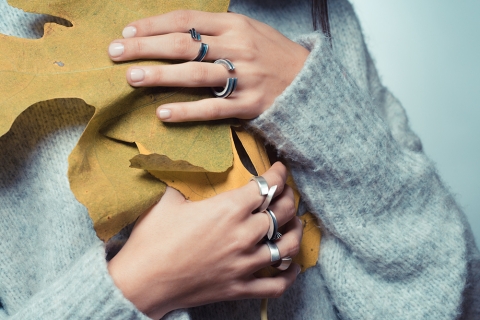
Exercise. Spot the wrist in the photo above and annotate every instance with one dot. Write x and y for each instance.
(135, 287)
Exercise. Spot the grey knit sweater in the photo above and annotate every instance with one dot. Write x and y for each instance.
(395, 244)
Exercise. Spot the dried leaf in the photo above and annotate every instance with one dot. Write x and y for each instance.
(71, 62)
(201, 185)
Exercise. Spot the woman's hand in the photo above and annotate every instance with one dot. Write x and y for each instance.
(265, 61)
(183, 254)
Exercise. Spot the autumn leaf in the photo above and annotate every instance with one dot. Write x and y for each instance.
(71, 62)
(201, 185)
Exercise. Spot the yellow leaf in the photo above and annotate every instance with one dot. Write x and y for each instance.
(201, 185)
(71, 62)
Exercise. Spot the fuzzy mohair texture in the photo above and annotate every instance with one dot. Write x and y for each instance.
(395, 244)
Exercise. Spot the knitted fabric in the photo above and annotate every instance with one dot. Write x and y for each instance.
(395, 244)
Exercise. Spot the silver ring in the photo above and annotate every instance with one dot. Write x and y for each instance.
(286, 262)
(195, 35)
(273, 226)
(262, 184)
(274, 252)
(202, 52)
(231, 84)
(268, 198)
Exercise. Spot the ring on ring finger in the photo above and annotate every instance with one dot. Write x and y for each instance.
(231, 84)
(274, 252)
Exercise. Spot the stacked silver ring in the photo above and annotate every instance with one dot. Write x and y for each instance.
(272, 233)
(286, 262)
(202, 52)
(274, 252)
(231, 82)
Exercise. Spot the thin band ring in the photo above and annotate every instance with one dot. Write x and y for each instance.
(272, 233)
(202, 52)
(195, 35)
(284, 264)
(231, 84)
(268, 198)
(274, 252)
(262, 184)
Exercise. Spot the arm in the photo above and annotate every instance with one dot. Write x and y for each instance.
(83, 291)
(395, 236)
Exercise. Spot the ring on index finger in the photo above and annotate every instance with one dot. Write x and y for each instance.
(262, 184)
(268, 198)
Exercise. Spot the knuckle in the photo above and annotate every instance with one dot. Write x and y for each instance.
(242, 22)
(139, 46)
(182, 18)
(290, 210)
(181, 45)
(294, 248)
(279, 290)
(200, 74)
(148, 25)
(213, 111)
(181, 112)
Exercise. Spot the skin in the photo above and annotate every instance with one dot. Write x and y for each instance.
(222, 265)
(256, 50)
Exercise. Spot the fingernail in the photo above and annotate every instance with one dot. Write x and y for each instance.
(129, 32)
(164, 114)
(298, 270)
(116, 49)
(137, 75)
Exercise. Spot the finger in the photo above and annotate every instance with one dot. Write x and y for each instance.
(283, 209)
(190, 74)
(283, 206)
(169, 46)
(202, 110)
(272, 287)
(246, 199)
(288, 245)
(179, 21)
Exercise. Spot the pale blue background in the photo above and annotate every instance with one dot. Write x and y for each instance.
(428, 53)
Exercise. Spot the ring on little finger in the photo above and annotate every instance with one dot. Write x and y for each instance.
(231, 82)
(274, 252)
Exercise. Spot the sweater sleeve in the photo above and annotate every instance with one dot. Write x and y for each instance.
(394, 243)
(84, 291)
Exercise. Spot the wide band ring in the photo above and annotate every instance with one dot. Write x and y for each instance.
(274, 252)
(262, 184)
(202, 52)
(268, 198)
(272, 233)
(284, 264)
(195, 35)
(231, 84)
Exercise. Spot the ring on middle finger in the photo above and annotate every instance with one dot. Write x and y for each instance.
(272, 233)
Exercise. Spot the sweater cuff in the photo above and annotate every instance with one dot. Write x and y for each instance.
(85, 291)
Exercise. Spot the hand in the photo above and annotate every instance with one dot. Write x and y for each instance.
(182, 254)
(265, 61)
